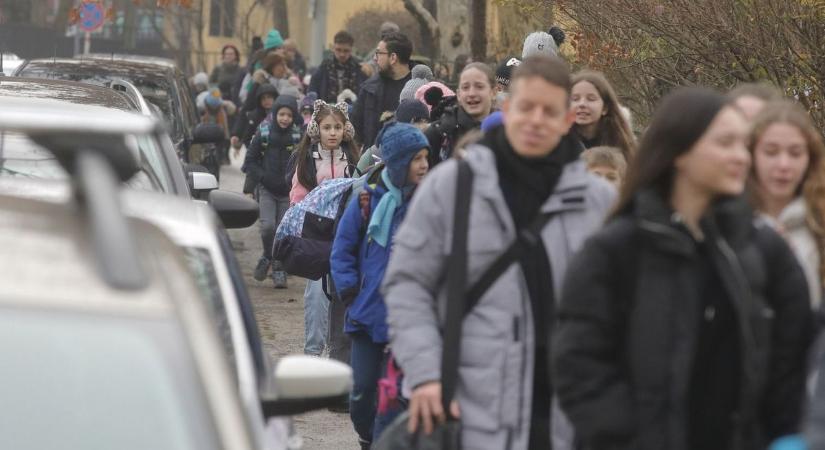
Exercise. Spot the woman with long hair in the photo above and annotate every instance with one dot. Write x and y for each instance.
(326, 151)
(684, 323)
(789, 184)
(600, 120)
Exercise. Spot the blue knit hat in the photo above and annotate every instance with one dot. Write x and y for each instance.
(273, 40)
(399, 145)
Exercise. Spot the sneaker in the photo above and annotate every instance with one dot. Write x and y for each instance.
(261, 269)
(279, 278)
(365, 445)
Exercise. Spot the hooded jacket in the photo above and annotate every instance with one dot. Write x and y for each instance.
(497, 344)
(358, 265)
(249, 120)
(630, 320)
(269, 152)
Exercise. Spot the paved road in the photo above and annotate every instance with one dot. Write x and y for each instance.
(280, 317)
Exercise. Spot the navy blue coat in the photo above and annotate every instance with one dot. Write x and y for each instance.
(358, 265)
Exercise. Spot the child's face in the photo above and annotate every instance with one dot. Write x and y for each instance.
(267, 101)
(418, 167)
(608, 173)
(332, 132)
(284, 117)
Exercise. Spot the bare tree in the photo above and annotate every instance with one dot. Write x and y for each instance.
(281, 16)
(648, 47)
(478, 28)
(430, 31)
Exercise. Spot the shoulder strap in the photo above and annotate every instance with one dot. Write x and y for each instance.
(527, 238)
(456, 283)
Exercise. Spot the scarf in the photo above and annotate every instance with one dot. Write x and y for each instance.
(347, 80)
(381, 220)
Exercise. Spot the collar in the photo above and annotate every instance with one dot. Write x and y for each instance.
(319, 153)
(729, 218)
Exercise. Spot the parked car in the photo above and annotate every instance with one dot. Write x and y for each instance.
(153, 370)
(158, 79)
(162, 170)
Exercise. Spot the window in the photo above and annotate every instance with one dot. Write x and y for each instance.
(222, 18)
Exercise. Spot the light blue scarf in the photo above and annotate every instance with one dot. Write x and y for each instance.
(381, 220)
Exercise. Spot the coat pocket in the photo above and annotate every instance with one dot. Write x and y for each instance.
(511, 385)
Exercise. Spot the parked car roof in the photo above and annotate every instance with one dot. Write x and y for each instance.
(62, 114)
(65, 91)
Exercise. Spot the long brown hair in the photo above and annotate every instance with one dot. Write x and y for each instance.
(304, 149)
(812, 187)
(613, 128)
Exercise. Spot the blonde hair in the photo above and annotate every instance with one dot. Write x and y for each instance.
(606, 156)
(812, 187)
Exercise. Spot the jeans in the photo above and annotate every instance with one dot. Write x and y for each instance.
(272, 209)
(316, 318)
(369, 364)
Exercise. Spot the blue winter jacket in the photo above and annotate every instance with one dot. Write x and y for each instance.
(358, 265)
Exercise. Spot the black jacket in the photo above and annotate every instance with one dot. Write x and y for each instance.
(267, 159)
(249, 119)
(366, 113)
(319, 83)
(444, 133)
(629, 321)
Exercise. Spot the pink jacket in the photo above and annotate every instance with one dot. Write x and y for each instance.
(327, 167)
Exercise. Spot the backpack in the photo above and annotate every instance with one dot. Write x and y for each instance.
(303, 240)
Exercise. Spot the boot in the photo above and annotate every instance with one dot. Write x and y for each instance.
(261, 269)
(279, 278)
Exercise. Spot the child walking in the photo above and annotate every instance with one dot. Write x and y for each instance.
(266, 166)
(360, 254)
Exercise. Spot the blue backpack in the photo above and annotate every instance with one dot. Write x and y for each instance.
(303, 240)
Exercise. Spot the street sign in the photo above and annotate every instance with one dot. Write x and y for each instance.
(91, 16)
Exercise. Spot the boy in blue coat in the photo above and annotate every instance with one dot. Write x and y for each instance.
(360, 254)
(266, 166)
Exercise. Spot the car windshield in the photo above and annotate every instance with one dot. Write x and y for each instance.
(156, 90)
(22, 157)
(99, 382)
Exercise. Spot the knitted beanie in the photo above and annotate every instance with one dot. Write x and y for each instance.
(505, 70)
(541, 43)
(273, 40)
(420, 94)
(421, 74)
(200, 78)
(399, 145)
(411, 110)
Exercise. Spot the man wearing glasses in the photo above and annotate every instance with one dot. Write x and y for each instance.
(381, 91)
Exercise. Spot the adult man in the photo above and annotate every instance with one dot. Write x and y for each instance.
(381, 91)
(526, 168)
(338, 73)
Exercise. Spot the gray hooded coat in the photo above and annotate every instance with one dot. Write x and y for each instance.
(496, 363)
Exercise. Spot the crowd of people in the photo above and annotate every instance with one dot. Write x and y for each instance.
(621, 293)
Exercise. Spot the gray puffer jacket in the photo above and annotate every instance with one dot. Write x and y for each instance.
(496, 366)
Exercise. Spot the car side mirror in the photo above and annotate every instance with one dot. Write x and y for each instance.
(302, 383)
(235, 210)
(208, 133)
(203, 181)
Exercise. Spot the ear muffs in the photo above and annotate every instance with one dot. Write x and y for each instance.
(314, 130)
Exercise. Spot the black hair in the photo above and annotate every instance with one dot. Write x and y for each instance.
(399, 44)
(343, 37)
